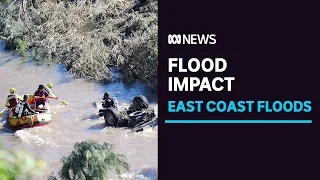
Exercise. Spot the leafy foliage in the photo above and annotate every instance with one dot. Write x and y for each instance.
(87, 36)
(19, 164)
(90, 160)
(22, 47)
(4, 2)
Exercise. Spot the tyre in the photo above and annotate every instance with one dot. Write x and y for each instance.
(140, 100)
(111, 116)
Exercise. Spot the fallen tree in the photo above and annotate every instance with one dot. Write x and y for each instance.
(87, 36)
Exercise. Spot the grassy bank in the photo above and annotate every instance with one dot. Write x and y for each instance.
(86, 36)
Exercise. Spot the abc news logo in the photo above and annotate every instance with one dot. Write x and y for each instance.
(192, 39)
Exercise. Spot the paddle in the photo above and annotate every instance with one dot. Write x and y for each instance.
(2, 112)
(63, 102)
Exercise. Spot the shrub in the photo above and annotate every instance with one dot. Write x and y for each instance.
(19, 164)
(22, 48)
(90, 160)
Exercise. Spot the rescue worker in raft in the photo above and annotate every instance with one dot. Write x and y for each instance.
(41, 97)
(48, 89)
(23, 108)
(12, 101)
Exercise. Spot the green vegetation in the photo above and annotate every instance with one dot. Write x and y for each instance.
(87, 36)
(22, 48)
(16, 165)
(90, 160)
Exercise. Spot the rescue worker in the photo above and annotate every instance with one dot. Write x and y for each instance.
(12, 101)
(23, 108)
(107, 103)
(48, 89)
(41, 97)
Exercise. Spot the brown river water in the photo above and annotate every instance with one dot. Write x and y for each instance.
(78, 121)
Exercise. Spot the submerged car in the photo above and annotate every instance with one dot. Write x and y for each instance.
(138, 116)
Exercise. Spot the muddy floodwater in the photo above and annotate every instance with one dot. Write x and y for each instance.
(78, 121)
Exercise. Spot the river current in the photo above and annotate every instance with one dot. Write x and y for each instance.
(78, 121)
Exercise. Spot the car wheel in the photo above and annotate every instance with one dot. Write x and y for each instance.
(138, 100)
(111, 116)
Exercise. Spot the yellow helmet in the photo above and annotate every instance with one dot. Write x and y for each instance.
(50, 85)
(12, 90)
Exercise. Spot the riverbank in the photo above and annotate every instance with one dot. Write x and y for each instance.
(88, 37)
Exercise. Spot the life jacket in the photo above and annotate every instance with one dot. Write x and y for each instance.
(47, 89)
(109, 102)
(19, 109)
(13, 100)
(40, 94)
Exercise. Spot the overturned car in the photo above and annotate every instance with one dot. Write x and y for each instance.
(138, 116)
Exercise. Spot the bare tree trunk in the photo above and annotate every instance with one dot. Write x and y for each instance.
(24, 13)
